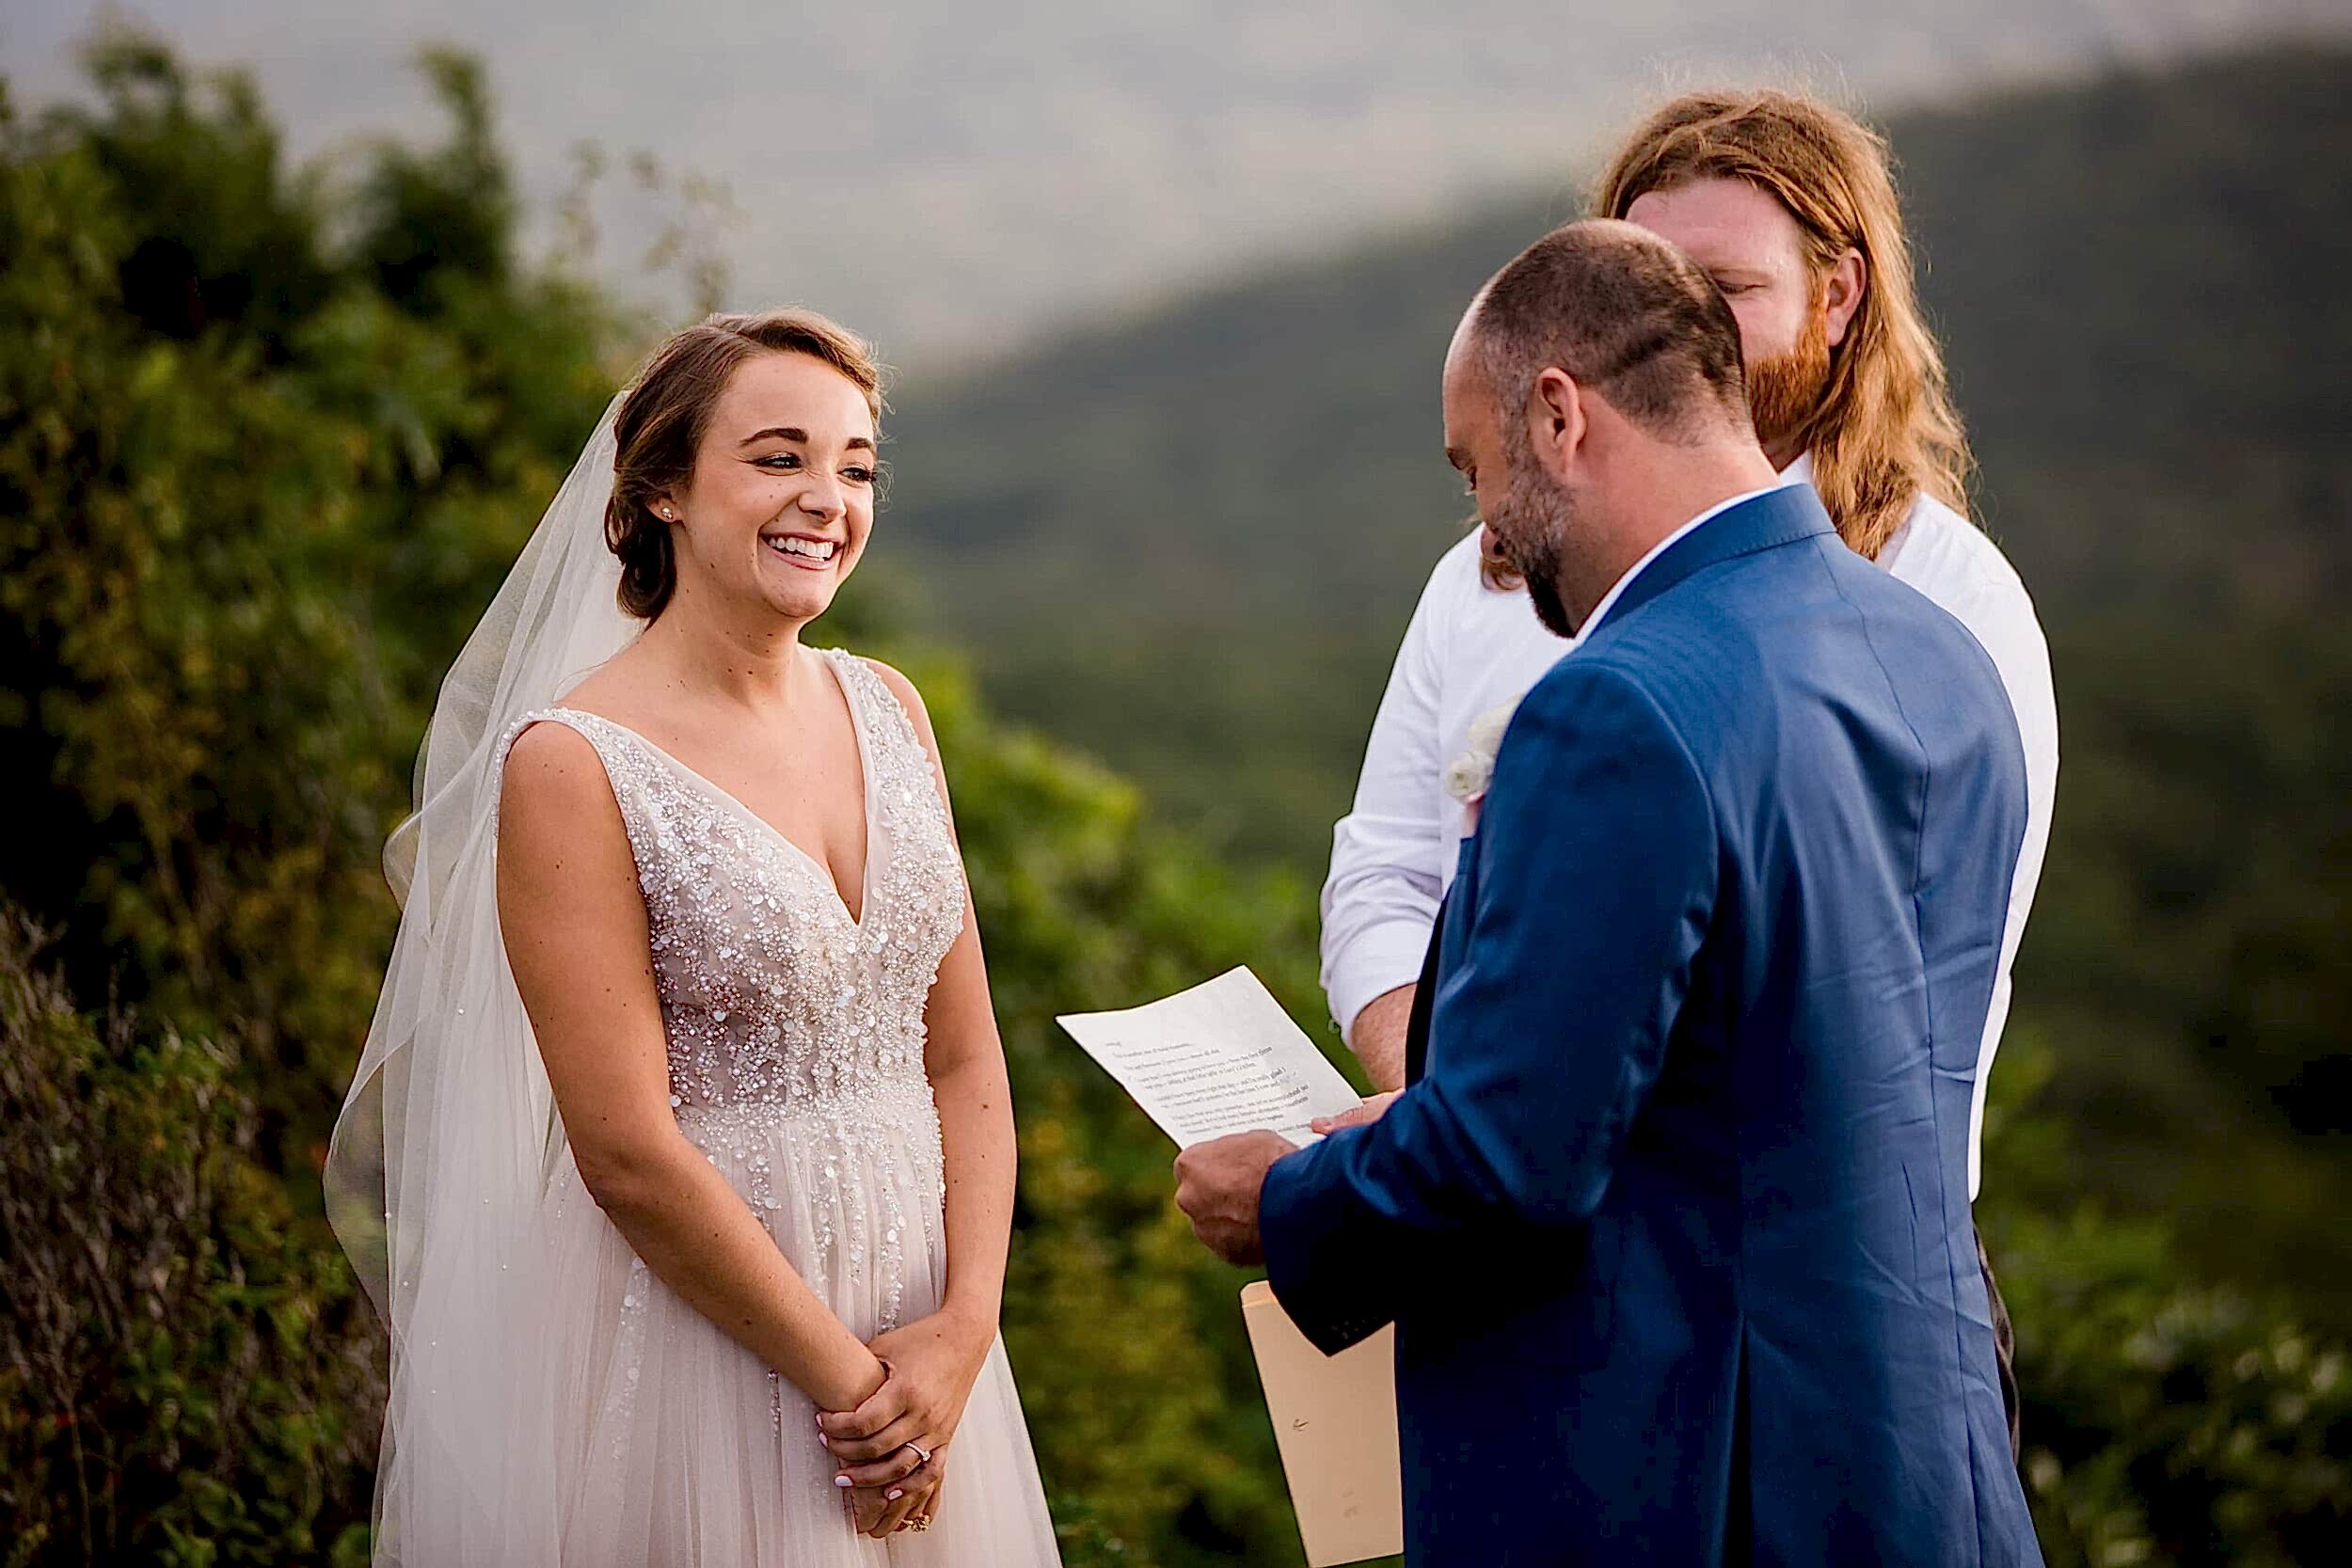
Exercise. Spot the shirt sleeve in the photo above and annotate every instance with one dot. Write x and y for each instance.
(2000, 613)
(1387, 854)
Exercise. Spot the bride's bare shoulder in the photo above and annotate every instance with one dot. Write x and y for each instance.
(553, 781)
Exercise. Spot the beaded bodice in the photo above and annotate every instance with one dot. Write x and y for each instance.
(773, 999)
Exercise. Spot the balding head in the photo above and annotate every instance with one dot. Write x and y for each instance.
(1593, 398)
(1625, 315)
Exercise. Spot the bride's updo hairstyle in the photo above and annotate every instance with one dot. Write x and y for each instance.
(662, 424)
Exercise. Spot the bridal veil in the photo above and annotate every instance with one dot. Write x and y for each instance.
(446, 1141)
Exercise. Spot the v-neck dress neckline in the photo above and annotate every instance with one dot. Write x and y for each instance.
(858, 725)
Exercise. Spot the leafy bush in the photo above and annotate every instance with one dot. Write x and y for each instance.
(186, 1376)
(2168, 1423)
(248, 498)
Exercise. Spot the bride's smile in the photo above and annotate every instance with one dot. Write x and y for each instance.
(806, 552)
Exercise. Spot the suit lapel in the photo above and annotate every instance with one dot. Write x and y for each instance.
(1433, 962)
(1424, 999)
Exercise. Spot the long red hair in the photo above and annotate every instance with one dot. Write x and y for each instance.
(1885, 431)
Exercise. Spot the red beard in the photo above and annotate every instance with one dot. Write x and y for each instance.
(1785, 391)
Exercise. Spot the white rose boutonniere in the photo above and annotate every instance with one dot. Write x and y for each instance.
(1468, 776)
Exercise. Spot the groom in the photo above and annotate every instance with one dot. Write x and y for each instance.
(1675, 1227)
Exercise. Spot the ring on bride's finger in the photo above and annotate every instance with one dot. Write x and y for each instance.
(922, 1454)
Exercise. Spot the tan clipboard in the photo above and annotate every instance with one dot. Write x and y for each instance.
(1335, 1423)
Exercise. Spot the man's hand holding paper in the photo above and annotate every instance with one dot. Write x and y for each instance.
(1217, 1184)
(1226, 1073)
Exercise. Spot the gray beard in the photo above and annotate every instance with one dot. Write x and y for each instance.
(1549, 608)
(1533, 513)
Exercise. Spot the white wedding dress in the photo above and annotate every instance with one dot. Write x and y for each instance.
(796, 1065)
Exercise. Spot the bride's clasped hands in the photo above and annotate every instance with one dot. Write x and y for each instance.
(892, 1450)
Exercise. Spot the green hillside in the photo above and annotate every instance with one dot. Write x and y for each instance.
(1190, 541)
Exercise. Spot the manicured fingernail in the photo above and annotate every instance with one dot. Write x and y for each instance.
(894, 1495)
(825, 1440)
(841, 1481)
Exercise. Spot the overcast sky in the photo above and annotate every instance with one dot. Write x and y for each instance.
(947, 175)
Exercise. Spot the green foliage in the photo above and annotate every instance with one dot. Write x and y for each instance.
(186, 1376)
(249, 501)
(2168, 1422)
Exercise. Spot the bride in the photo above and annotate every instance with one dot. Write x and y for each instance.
(680, 1157)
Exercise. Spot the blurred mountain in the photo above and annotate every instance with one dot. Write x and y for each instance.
(949, 176)
(1190, 542)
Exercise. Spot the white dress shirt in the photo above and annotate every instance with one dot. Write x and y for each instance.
(1470, 648)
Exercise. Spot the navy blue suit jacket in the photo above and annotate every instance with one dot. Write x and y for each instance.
(1675, 1226)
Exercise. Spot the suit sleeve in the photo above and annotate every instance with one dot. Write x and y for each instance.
(1594, 880)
